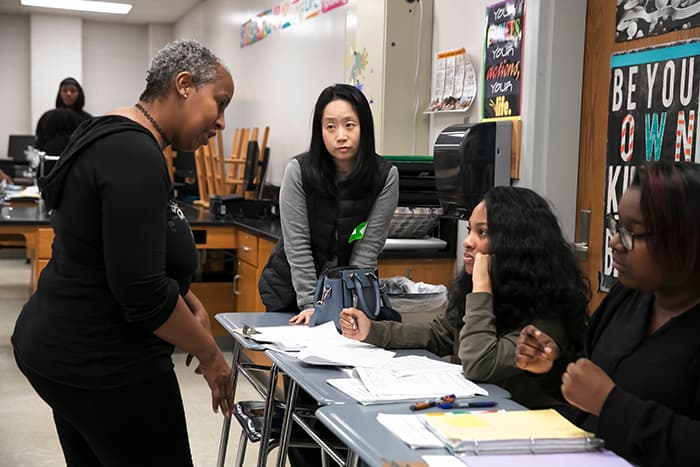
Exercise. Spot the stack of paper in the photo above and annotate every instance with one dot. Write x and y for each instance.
(405, 379)
(526, 431)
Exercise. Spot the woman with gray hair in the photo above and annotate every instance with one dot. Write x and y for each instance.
(96, 338)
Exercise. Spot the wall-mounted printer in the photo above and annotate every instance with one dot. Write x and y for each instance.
(469, 159)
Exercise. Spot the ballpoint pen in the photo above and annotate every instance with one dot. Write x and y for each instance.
(427, 404)
(464, 405)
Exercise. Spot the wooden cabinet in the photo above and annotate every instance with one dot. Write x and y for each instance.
(40, 253)
(253, 252)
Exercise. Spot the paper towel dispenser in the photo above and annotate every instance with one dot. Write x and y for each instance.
(469, 159)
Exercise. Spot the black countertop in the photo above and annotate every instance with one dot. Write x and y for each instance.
(198, 216)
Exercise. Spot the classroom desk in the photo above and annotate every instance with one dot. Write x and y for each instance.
(313, 380)
(369, 440)
(231, 322)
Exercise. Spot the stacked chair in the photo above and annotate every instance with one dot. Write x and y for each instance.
(242, 173)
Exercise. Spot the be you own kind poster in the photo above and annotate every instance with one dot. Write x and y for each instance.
(653, 113)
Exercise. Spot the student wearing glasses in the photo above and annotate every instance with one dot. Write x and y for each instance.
(638, 386)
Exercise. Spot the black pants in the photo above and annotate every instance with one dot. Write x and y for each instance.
(137, 425)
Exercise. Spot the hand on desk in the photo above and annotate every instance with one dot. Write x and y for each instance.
(586, 386)
(354, 324)
(302, 318)
(535, 351)
(7, 178)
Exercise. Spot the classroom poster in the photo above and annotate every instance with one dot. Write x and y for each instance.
(503, 59)
(454, 82)
(653, 112)
(642, 18)
(283, 15)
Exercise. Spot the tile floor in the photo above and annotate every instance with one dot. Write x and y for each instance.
(27, 434)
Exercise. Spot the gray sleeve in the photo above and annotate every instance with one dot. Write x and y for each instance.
(485, 355)
(436, 336)
(366, 250)
(296, 234)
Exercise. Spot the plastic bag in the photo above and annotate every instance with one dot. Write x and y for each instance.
(415, 301)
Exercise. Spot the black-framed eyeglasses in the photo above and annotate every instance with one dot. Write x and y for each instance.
(626, 237)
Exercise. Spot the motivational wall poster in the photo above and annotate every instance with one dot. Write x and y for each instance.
(503, 59)
(642, 18)
(653, 112)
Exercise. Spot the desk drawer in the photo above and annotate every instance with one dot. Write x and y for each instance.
(214, 237)
(248, 248)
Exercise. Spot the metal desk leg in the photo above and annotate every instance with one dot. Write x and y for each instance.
(286, 432)
(267, 418)
(226, 427)
(352, 460)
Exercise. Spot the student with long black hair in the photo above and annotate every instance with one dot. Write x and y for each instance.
(336, 203)
(638, 384)
(518, 269)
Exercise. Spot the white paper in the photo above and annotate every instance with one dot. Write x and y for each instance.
(409, 429)
(412, 364)
(385, 383)
(442, 461)
(297, 337)
(344, 355)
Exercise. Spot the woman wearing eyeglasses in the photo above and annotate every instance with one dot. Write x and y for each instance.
(638, 386)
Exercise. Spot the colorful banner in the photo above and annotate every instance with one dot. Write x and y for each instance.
(503, 59)
(282, 16)
(653, 107)
(642, 18)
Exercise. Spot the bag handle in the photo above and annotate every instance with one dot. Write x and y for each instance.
(361, 297)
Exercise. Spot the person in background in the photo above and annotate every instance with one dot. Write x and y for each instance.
(638, 385)
(96, 338)
(55, 126)
(336, 203)
(518, 269)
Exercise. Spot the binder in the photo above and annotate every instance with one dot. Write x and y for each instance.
(511, 432)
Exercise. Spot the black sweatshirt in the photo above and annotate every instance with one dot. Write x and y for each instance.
(652, 416)
(122, 255)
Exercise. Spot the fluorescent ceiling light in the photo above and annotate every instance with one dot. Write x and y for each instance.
(81, 5)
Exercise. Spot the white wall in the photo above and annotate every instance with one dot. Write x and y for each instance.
(115, 62)
(278, 79)
(56, 52)
(14, 55)
(551, 91)
(38, 51)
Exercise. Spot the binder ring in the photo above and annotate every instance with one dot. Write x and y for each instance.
(532, 445)
(476, 447)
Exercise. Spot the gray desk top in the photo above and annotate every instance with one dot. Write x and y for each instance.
(310, 378)
(233, 321)
(357, 427)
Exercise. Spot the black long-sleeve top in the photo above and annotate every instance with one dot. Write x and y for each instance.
(652, 416)
(122, 254)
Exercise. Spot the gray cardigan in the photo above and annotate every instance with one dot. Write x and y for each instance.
(297, 238)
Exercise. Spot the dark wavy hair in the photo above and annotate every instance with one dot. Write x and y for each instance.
(533, 269)
(670, 206)
(79, 102)
(322, 166)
